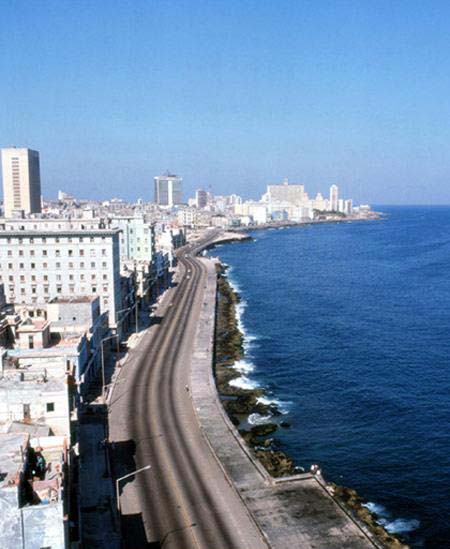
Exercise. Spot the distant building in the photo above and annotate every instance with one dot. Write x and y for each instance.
(21, 181)
(334, 198)
(286, 193)
(168, 190)
(201, 198)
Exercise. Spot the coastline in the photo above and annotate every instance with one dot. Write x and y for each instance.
(258, 417)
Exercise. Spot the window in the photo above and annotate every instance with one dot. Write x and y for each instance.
(44, 265)
(81, 252)
(21, 266)
(104, 265)
(58, 288)
(70, 265)
(21, 252)
(92, 264)
(32, 265)
(11, 278)
(50, 406)
(82, 265)
(93, 277)
(103, 252)
(30, 342)
(70, 253)
(81, 276)
(58, 277)
(44, 253)
(45, 278)
(94, 289)
(105, 277)
(10, 252)
(58, 265)
(57, 253)
(70, 277)
(32, 252)
(10, 265)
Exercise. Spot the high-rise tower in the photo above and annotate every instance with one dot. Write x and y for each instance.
(168, 190)
(334, 198)
(21, 181)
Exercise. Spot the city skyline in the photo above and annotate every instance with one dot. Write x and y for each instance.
(246, 94)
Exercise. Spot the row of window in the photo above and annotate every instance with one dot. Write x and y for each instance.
(51, 239)
(70, 253)
(58, 289)
(82, 277)
(57, 265)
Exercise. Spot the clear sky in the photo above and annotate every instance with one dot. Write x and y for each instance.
(231, 94)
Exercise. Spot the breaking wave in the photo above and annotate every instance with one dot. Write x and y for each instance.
(244, 382)
(391, 524)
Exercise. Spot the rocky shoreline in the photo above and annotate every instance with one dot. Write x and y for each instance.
(241, 403)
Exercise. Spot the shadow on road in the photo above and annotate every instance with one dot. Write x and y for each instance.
(133, 533)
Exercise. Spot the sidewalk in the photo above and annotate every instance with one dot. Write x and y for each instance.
(98, 517)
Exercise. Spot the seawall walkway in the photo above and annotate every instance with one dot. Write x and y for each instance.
(295, 511)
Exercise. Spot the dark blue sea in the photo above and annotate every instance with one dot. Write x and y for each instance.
(348, 327)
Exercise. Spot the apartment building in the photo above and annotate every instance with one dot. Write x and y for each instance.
(43, 259)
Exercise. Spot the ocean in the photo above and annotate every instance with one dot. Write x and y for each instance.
(348, 328)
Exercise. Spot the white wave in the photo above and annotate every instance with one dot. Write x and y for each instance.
(400, 525)
(244, 366)
(392, 525)
(244, 382)
(258, 419)
(283, 406)
(376, 508)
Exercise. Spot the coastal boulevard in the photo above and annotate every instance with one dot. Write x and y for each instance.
(184, 500)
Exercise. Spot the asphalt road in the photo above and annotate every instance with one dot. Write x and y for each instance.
(184, 501)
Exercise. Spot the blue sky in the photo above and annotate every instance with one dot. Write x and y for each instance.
(231, 94)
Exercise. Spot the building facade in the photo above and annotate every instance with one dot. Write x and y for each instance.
(38, 265)
(168, 190)
(21, 181)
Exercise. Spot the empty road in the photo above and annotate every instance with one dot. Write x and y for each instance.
(184, 501)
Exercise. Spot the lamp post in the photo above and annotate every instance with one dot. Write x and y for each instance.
(123, 478)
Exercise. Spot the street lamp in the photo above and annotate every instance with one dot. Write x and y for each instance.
(103, 358)
(123, 478)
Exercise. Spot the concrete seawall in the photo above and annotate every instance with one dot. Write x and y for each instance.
(296, 511)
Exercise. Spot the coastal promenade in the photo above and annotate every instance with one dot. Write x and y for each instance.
(297, 511)
(204, 488)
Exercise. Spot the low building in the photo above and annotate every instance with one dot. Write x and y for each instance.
(34, 492)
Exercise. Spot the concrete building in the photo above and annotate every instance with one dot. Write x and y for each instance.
(21, 181)
(39, 264)
(137, 237)
(168, 190)
(334, 198)
(201, 198)
(293, 194)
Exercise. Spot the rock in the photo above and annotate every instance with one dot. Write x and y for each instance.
(284, 424)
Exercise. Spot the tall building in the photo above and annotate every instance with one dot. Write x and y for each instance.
(201, 198)
(334, 198)
(168, 190)
(21, 181)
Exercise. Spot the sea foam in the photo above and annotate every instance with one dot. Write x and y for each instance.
(244, 382)
(392, 525)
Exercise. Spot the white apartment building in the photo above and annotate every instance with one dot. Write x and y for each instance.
(52, 260)
(21, 181)
(292, 194)
(334, 198)
(168, 190)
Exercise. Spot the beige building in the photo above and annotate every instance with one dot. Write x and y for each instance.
(21, 181)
